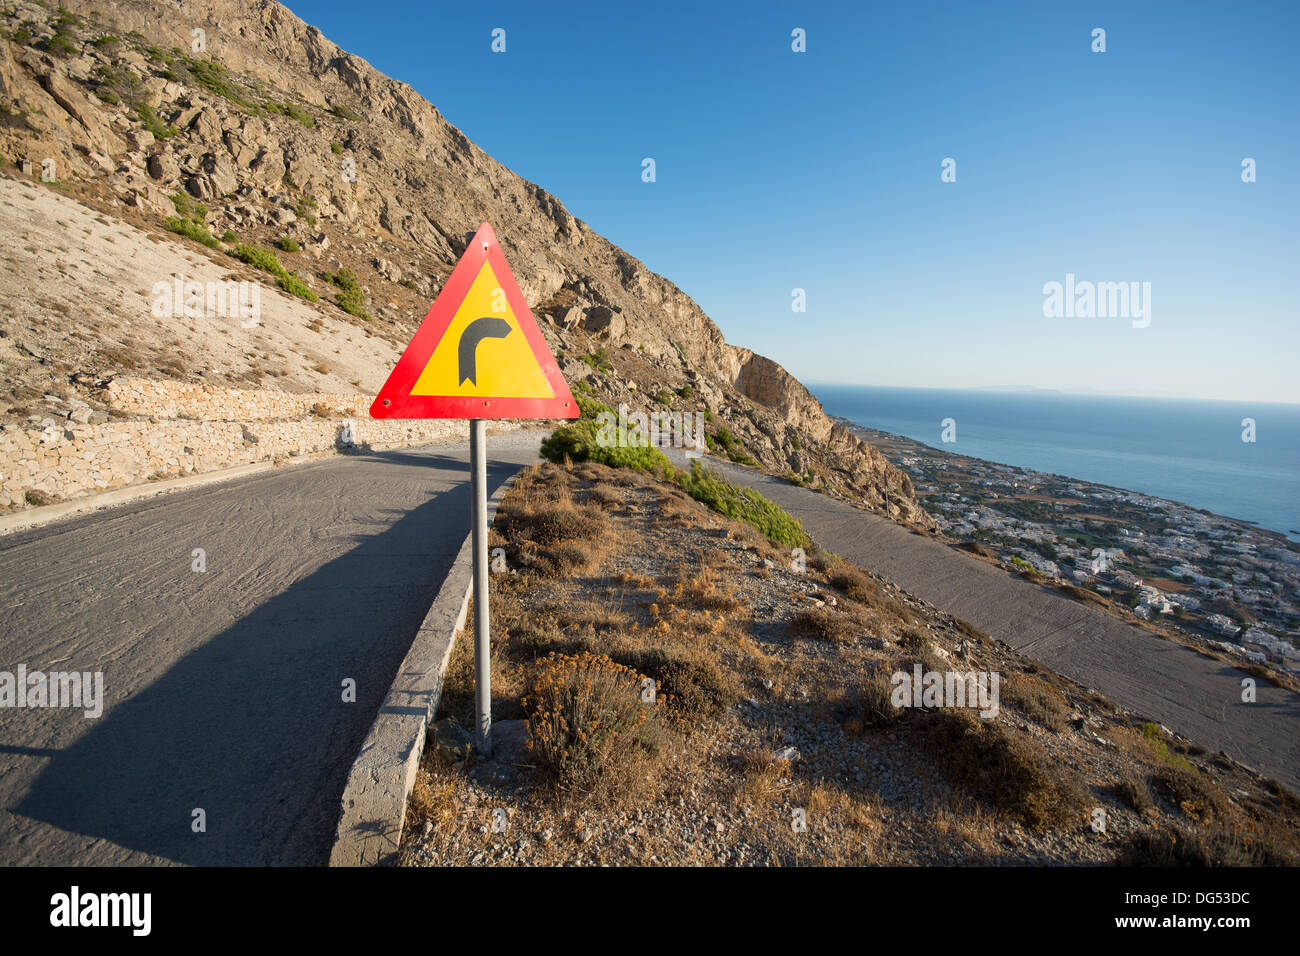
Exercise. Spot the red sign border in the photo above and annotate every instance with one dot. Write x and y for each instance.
(395, 399)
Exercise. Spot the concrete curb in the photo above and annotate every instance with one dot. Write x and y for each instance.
(374, 800)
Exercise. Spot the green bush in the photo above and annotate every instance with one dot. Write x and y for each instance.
(292, 111)
(295, 286)
(60, 45)
(288, 244)
(190, 229)
(187, 207)
(743, 504)
(350, 297)
(152, 123)
(259, 258)
(578, 442)
(733, 446)
(265, 260)
(306, 203)
(118, 85)
(210, 75)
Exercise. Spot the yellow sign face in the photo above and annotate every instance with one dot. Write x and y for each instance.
(484, 351)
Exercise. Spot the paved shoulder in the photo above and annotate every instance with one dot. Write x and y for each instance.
(225, 622)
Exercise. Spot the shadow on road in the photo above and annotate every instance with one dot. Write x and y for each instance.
(250, 727)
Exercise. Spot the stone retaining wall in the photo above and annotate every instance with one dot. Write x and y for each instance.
(190, 429)
(164, 399)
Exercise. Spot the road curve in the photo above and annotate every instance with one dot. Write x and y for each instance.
(1187, 692)
(223, 687)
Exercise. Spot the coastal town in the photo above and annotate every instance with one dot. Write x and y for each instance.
(1220, 582)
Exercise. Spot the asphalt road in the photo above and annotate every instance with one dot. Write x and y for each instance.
(223, 688)
(1194, 695)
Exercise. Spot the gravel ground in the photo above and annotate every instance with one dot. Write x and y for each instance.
(731, 786)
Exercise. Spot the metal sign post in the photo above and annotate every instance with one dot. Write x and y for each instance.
(482, 643)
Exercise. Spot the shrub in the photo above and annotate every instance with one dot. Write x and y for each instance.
(822, 625)
(1185, 787)
(350, 298)
(1134, 792)
(306, 203)
(585, 715)
(579, 442)
(550, 523)
(152, 123)
(875, 703)
(598, 360)
(342, 112)
(696, 685)
(1216, 846)
(190, 229)
(1035, 699)
(1154, 737)
(743, 504)
(265, 260)
(1009, 773)
(288, 244)
(336, 148)
(259, 258)
(210, 75)
(854, 583)
(118, 85)
(294, 285)
(60, 44)
(187, 207)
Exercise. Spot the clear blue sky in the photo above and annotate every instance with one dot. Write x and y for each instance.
(821, 171)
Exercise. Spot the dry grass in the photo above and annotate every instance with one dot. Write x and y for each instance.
(824, 624)
(594, 725)
(1003, 770)
(1036, 699)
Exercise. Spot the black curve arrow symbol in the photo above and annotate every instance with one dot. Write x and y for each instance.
(489, 327)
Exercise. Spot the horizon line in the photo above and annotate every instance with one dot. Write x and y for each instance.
(1026, 390)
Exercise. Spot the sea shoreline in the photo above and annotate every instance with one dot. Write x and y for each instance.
(1220, 578)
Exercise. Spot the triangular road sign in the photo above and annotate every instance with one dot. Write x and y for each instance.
(478, 353)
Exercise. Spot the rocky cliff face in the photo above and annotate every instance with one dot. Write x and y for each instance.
(272, 133)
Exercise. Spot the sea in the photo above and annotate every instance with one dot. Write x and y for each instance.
(1183, 450)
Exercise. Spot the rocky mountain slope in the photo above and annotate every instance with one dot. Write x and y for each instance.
(240, 127)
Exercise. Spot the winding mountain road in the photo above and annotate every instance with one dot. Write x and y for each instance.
(1187, 692)
(223, 687)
